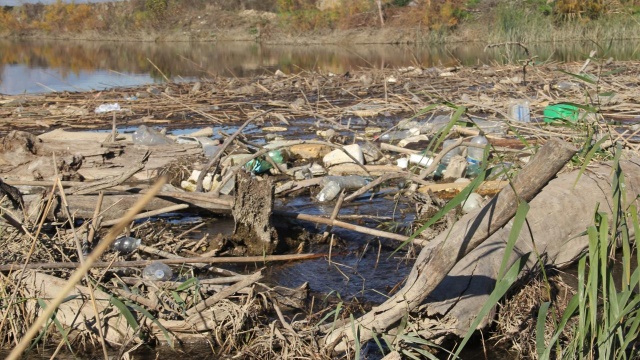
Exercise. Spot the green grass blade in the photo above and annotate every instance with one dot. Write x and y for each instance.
(589, 156)
(356, 336)
(148, 315)
(64, 333)
(124, 311)
(584, 78)
(518, 221)
(568, 314)
(540, 327)
(498, 292)
(457, 200)
(187, 284)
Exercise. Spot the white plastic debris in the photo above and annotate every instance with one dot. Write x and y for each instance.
(473, 202)
(108, 107)
(338, 156)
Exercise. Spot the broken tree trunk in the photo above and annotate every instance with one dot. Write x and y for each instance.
(252, 214)
(556, 222)
(433, 265)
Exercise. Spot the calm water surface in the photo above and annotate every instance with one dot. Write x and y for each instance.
(44, 66)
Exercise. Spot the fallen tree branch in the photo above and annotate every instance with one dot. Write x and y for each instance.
(180, 261)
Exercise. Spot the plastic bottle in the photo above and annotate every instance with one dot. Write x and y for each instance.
(519, 111)
(399, 134)
(126, 244)
(475, 154)
(150, 137)
(446, 158)
(566, 85)
(157, 271)
(329, 191)
(349, 182)
(276, 156)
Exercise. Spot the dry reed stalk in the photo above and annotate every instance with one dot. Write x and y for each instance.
(81, 272)
(92, 296)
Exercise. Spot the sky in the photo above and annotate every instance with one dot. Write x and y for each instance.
(20, 2)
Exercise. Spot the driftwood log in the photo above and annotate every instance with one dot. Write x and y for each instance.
(252, 214)
(434, 263)
(556, 221)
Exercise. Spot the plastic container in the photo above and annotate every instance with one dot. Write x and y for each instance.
(420, 159)
(277, 156)
(399, 134)
(446, 158)
(566, 85)
(329, 192)
(519, 111)
(562, 112)
(434, 124)
(349, 182)
(258, 166)
(475, 154)
(107, 108)
(126, 244)
(147, 136)
(157, 271)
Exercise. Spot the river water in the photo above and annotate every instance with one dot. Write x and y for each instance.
(47, 65)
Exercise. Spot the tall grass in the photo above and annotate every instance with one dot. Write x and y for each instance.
(516, 22)
(608, 313)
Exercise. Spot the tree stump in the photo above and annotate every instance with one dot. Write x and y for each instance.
(252, 214)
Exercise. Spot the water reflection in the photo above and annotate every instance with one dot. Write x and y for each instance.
(42, 66)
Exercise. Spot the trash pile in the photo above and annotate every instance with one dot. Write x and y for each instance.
(246, 148)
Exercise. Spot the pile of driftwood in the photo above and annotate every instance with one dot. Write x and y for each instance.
(68, 195)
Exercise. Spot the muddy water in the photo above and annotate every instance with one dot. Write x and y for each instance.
(44, 66)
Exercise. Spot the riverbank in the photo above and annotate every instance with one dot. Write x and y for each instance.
(486, 22)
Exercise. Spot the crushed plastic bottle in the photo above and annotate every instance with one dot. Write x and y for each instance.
(475, 155)
(433, 125)
(329, 191)
(332, 185)
(349, 182)
(446, 158)
(157, 271)
(147, 136)
(108, 107)
(126, 244)
(399, 134)
(519, 111)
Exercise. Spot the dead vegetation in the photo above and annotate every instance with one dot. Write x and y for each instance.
(78, 189)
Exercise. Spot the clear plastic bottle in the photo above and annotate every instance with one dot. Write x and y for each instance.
(396, 135)
(126, 244)
(329, 192)
(349, 182)
(446, 158)
(519, 111)
(475, 154)
(147, 136)
(157, 271)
